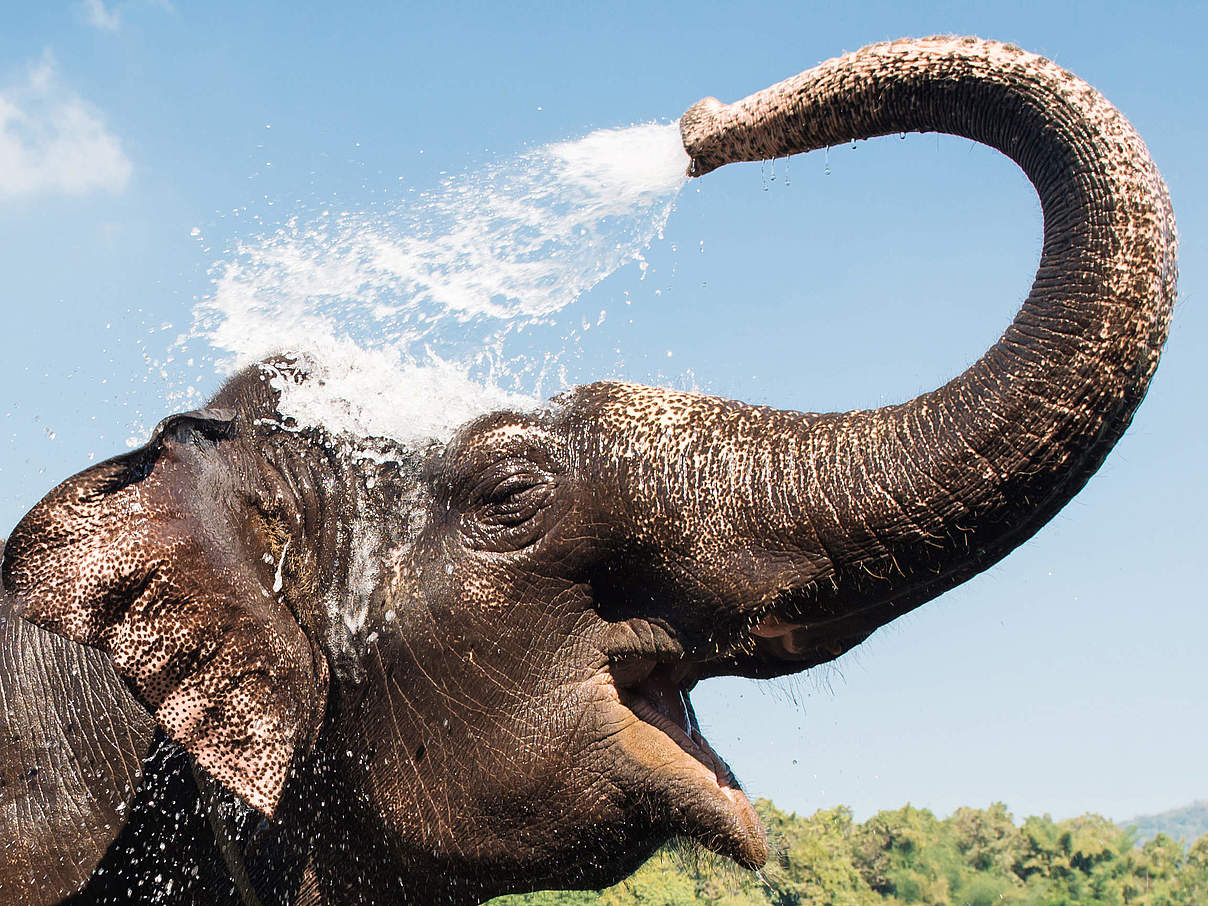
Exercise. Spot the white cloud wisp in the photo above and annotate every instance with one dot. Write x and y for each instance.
(100, 17)
(52, 142)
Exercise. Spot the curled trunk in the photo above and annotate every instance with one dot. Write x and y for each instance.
(846, 520)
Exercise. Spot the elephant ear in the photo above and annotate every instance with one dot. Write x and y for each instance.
(161, 558)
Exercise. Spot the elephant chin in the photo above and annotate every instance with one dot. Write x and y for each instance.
(661, 748)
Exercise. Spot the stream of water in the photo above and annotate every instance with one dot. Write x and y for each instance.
(409, 313)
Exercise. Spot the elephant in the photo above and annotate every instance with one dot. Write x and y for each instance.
(278, 665)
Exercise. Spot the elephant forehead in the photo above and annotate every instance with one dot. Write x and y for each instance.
(501, 437)
(507, 434)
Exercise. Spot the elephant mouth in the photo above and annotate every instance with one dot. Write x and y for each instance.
(659, 695)
(698, 789)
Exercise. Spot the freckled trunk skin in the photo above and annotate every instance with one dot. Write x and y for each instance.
(844, 521)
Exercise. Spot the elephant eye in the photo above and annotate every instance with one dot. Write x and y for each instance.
(503, 509)
(514, 487)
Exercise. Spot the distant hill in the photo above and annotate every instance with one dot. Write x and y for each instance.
(1188, 823)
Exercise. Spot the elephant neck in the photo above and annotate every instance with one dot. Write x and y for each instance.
(948, 483)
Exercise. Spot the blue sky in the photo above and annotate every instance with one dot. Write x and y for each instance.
(1068, 678)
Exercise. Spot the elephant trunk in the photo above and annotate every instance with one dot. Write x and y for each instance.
(838, 523)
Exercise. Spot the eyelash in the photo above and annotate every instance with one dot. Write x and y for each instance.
(512, 486)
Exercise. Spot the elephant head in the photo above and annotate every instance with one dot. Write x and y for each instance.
(449, 673)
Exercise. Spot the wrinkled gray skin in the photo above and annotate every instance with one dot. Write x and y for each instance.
(444, 674)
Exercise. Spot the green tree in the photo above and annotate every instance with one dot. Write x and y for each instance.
(906, 855)
(987, 838)
(550, 898)
(1192, 886)
(815, 865)
(660, 882)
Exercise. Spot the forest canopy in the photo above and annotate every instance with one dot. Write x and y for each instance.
(974, 857)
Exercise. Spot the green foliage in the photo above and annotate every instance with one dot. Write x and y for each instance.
(550, 898)
(660, 882)
(975, 857)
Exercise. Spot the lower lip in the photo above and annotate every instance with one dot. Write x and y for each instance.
(718, 814)
(692, 744)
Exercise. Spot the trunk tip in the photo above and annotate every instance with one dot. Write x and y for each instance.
(699, 133)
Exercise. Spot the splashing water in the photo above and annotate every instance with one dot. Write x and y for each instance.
(407, 313)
